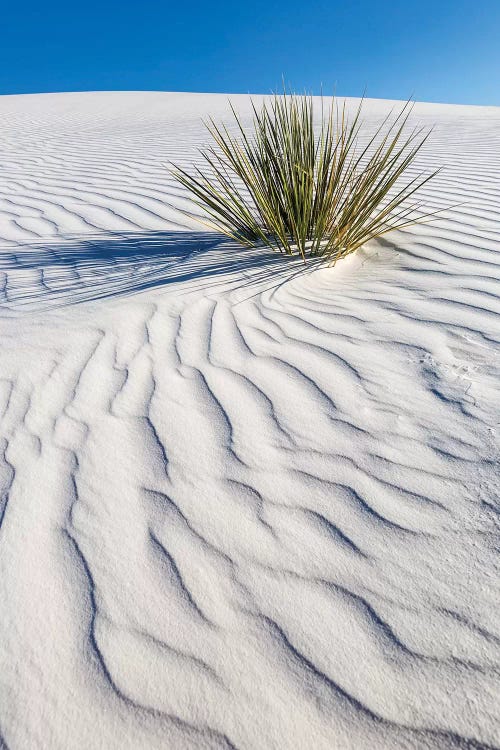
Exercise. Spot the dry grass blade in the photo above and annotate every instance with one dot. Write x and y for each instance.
(301, 189)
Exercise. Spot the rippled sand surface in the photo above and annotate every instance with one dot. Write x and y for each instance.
(242, 504)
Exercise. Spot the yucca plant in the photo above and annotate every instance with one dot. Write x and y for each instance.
(310, 190)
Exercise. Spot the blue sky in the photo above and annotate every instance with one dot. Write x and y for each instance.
(434, 51)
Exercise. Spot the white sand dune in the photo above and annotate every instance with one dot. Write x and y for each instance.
(241, 505)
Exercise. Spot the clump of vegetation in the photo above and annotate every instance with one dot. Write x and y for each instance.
(301, 188)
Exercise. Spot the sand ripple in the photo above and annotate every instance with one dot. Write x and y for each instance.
(242, 505)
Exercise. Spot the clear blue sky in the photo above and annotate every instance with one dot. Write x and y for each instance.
(436, 51)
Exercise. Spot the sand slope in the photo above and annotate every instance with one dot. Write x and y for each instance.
(241, 506)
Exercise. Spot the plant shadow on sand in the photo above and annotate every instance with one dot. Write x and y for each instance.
(75, 269)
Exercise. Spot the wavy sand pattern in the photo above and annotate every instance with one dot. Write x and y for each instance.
(241, 505)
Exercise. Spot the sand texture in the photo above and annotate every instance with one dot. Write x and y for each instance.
(242, 505)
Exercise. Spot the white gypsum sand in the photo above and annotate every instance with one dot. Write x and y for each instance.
(242, 505)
